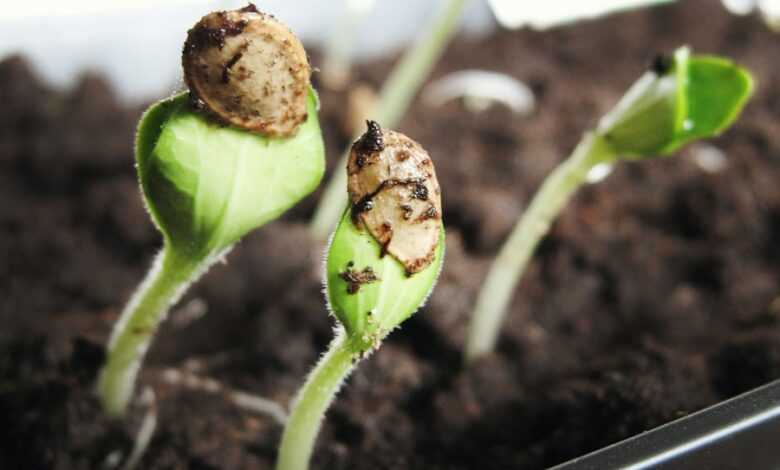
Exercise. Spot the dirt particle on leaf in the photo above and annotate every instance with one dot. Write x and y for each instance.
(141, 330)
(355, 279)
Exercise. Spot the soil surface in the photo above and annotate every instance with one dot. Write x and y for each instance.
(655, 294)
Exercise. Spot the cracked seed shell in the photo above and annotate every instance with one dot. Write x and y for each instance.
(395, 195)
(249, 70)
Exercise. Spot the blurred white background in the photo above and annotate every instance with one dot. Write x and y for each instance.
(137, 43)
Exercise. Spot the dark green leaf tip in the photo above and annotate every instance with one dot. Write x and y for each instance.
(713, 93)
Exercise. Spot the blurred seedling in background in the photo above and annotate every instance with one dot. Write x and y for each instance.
(337, 61)
(479, 90)
(413, 68)
(381, 265)
(681, 99)
(239, 149)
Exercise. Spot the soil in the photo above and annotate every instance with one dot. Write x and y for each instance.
(655, 294)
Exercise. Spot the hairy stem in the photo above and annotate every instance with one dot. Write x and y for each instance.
(167, 280)
(514, 255)
(309, 407)
(397, 92)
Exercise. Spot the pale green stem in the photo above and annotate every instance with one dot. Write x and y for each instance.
(397, 92)
(512, 259)
(309, 407)
(166, 282)
(336, 62)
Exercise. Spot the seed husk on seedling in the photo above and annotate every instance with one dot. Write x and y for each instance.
(249, 70)
(213, 164)
(396, 94)
(680, 99)
(381, 265)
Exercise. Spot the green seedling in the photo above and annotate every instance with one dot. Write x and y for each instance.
(382, 263)
(397, 93)
(681, 99)
(215, 164)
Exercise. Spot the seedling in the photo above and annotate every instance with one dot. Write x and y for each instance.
(679, 100)
(479, 89)
(237, 151)
(382, 263)
(337, 60)
(397, 92)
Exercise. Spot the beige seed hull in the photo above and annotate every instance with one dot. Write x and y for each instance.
(249, 70)
(396, 197)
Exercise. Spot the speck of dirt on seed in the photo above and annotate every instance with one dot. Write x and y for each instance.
(407, 211)
(229, 65)
(430, 213)
(420, 192)
(371, 141)
(363, 205)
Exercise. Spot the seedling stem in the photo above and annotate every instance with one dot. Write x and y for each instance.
(165, 283)
(313, 400)
(514, 255)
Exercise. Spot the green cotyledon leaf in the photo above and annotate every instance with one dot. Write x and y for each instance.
(714, 94)
(206, 184)
(371, 294)
(688, 98)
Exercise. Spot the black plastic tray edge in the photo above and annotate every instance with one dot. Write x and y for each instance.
(740, 433)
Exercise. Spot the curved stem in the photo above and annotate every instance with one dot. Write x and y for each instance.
(167, 280)
(309, 407)
(397, 92)
(496, 291)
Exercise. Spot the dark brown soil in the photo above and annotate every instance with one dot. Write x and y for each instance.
(656, 293)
